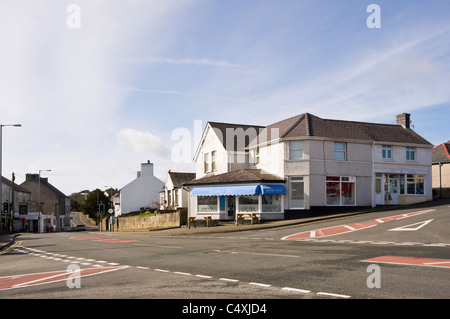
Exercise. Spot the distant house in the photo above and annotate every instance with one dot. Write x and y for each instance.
(174, 195)
(48, 200)
(142, 192)
(441, 170)
(308, 163)
(18, 200)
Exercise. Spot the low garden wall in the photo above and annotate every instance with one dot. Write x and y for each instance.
(160, 219)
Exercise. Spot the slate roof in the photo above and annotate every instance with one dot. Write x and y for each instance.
(221, 131)
(441, 153)
(179, 178)
(305, 125)
(17, 188)
(238, 177)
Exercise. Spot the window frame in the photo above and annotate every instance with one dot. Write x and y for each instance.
(296, 179)
(386, 152)
(340, 151)
(340, 180)
(213, 161)
(410, 153)
(295, 149)
(205, 163)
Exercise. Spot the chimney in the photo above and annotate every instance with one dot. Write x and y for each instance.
(32, 177)
(404, 119)
(146, 168)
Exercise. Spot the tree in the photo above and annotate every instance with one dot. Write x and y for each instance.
(93, 199)
(77, 201)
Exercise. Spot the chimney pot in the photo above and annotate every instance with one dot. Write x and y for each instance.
(404, 119)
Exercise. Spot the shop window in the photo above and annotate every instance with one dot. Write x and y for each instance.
(207, 204)
(341, 191)
(415, 185)
(248, 204)
(271, 203)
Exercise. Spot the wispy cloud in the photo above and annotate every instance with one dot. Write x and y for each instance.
(187, 61)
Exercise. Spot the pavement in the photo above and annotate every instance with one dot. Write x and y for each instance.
(225, 227)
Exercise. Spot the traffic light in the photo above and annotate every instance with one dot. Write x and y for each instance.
(5, 208)
(101, 209)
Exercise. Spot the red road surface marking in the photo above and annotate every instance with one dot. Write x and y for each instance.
(428, 262)
(111, 240)
(336, 230)
(28, 280)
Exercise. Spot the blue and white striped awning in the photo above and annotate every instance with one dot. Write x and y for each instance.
(273, 190)
(237, 190)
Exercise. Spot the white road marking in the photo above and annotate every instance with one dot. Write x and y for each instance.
(332, 295)
(259, 284)
(228, 279)
(296, 290)
(182, 273)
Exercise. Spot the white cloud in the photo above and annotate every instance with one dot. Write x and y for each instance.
(141, 142)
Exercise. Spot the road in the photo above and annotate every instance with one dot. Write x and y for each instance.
(383, 255)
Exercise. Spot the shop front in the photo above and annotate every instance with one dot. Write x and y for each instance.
(224, 202)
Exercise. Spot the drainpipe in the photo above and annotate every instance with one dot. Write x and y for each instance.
(373, 175)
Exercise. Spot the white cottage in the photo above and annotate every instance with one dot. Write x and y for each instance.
(142, 192)
(174, 195)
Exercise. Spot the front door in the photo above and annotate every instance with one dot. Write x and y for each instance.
(391, 188)
(230, 208)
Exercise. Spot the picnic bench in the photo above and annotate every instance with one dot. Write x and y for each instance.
(190, 221)
(208, 219)
(241, 217)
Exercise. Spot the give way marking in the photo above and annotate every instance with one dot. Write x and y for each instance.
(418, 226)
(399, 260)
(28, 280)
(337, 230)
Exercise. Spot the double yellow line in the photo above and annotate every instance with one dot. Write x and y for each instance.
(7, 250)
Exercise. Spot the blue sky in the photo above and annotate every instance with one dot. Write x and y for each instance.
(96, 101)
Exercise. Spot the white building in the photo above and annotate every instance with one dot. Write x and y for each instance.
(142, 192)
(305, 163)
(174, 195)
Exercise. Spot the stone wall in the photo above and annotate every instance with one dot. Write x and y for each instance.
(162, 219)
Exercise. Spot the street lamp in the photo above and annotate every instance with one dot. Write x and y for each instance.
(1, 164)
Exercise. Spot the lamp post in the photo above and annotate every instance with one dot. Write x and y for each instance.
(1, 164)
